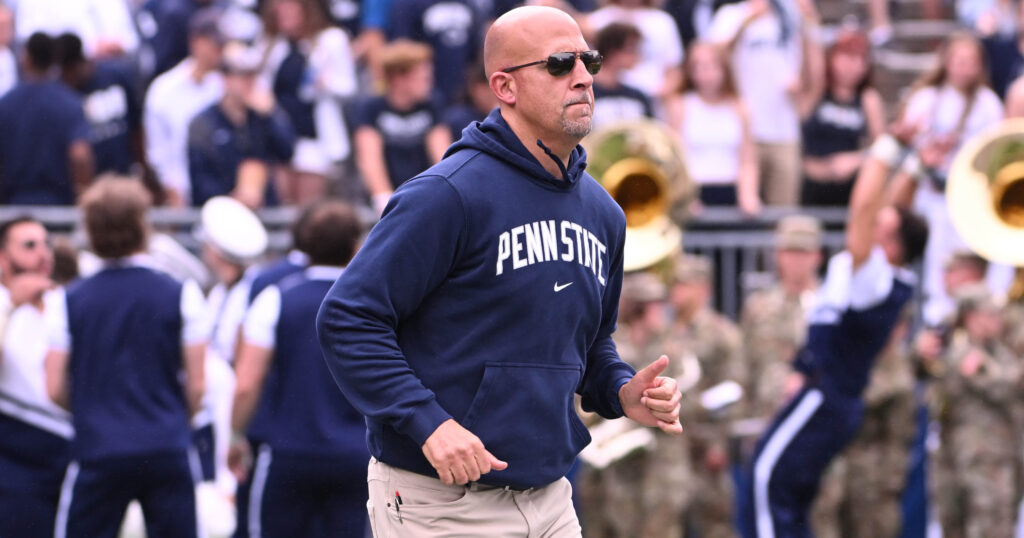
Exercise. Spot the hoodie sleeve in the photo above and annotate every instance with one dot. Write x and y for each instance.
(406, 256)
(606, 372)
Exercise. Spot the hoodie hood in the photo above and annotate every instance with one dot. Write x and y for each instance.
(494, 137)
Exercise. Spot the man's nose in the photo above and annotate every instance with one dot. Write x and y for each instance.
(581, 78)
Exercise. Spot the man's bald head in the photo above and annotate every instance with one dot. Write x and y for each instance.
(520, 33)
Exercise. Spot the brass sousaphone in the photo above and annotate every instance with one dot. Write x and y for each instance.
(985, 196)
(641, 165)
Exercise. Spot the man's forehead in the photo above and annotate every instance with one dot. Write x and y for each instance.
(30, 229)
(551, 36)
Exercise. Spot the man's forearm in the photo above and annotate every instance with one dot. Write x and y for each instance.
(868, 198)
(82, 166)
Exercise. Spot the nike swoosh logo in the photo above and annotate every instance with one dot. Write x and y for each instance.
(559, 288)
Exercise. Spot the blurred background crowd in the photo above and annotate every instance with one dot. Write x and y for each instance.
(282, 104)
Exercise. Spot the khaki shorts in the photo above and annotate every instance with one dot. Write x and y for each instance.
(430, 508)
(780, 172)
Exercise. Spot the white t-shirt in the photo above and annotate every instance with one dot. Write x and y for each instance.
(712, 135)
(22, 373)
(937, 111)
(92, 20)
(173, 100)
(661, 48)
(8, 70)
(260, 326)
(331, 75)
(764, 66)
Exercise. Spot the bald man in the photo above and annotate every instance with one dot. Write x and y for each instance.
(483, 300)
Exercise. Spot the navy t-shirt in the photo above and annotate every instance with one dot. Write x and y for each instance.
(40, 121)
(346, 14)
(451, 28)
(216, 147)
(623, 103)
(113, 112)
(1005, 61)
(457, 117)
(834, 126)
(404, 134)
(163, 25)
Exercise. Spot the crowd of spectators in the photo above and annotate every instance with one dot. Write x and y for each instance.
(290, 102)
(340, 99)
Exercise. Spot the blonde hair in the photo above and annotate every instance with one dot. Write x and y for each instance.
(114, 210)
(728, 79)
(937, 75)
(401, 55)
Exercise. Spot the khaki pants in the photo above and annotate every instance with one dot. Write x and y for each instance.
(780, 173)
(430, 508)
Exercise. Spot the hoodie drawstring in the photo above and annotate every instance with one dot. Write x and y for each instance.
(565, 173)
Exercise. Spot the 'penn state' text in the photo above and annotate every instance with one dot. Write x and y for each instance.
(545, 241)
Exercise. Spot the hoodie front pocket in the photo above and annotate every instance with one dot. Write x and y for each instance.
(524, 414)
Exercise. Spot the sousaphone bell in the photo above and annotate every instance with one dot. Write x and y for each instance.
(641, 165)
(985, 196)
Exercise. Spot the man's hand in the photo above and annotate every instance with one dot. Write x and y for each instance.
(457, 455)
(652, 400)
(29, 287)
(794, 382)
(239, 457)
(928, 345)
(971, 363)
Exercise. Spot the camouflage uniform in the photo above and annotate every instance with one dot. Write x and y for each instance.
(981, 442)
(717, 345)
(644, 494)
(1013, 334)
(774, 321)
(774, 327)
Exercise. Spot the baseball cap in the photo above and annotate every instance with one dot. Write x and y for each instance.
(237, 58)
(977, 296)
(798, 232)
(691, 267)
(233, 229)
(964, 255)
(643, 287)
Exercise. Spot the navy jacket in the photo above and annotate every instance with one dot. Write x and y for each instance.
(487, 293)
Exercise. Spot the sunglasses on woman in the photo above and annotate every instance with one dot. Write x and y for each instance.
(561, 63)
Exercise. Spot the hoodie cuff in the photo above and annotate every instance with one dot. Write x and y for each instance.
(423, 421)
(614, 403)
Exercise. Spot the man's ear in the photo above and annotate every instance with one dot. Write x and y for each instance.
(503, 85)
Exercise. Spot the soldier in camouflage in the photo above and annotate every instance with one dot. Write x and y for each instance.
(875, 464)
(773, 320)
(649, 488)
(980, 455)
(711, 407)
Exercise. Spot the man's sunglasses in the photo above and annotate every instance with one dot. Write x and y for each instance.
(561, 63)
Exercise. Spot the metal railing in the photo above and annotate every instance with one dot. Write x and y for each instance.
(740, 247)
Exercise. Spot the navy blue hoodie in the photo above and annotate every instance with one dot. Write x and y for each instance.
(487, 293)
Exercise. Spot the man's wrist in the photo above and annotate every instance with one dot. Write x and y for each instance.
(888, 150)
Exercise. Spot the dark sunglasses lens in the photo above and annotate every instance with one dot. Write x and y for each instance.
(592, 61)
(561, 63)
